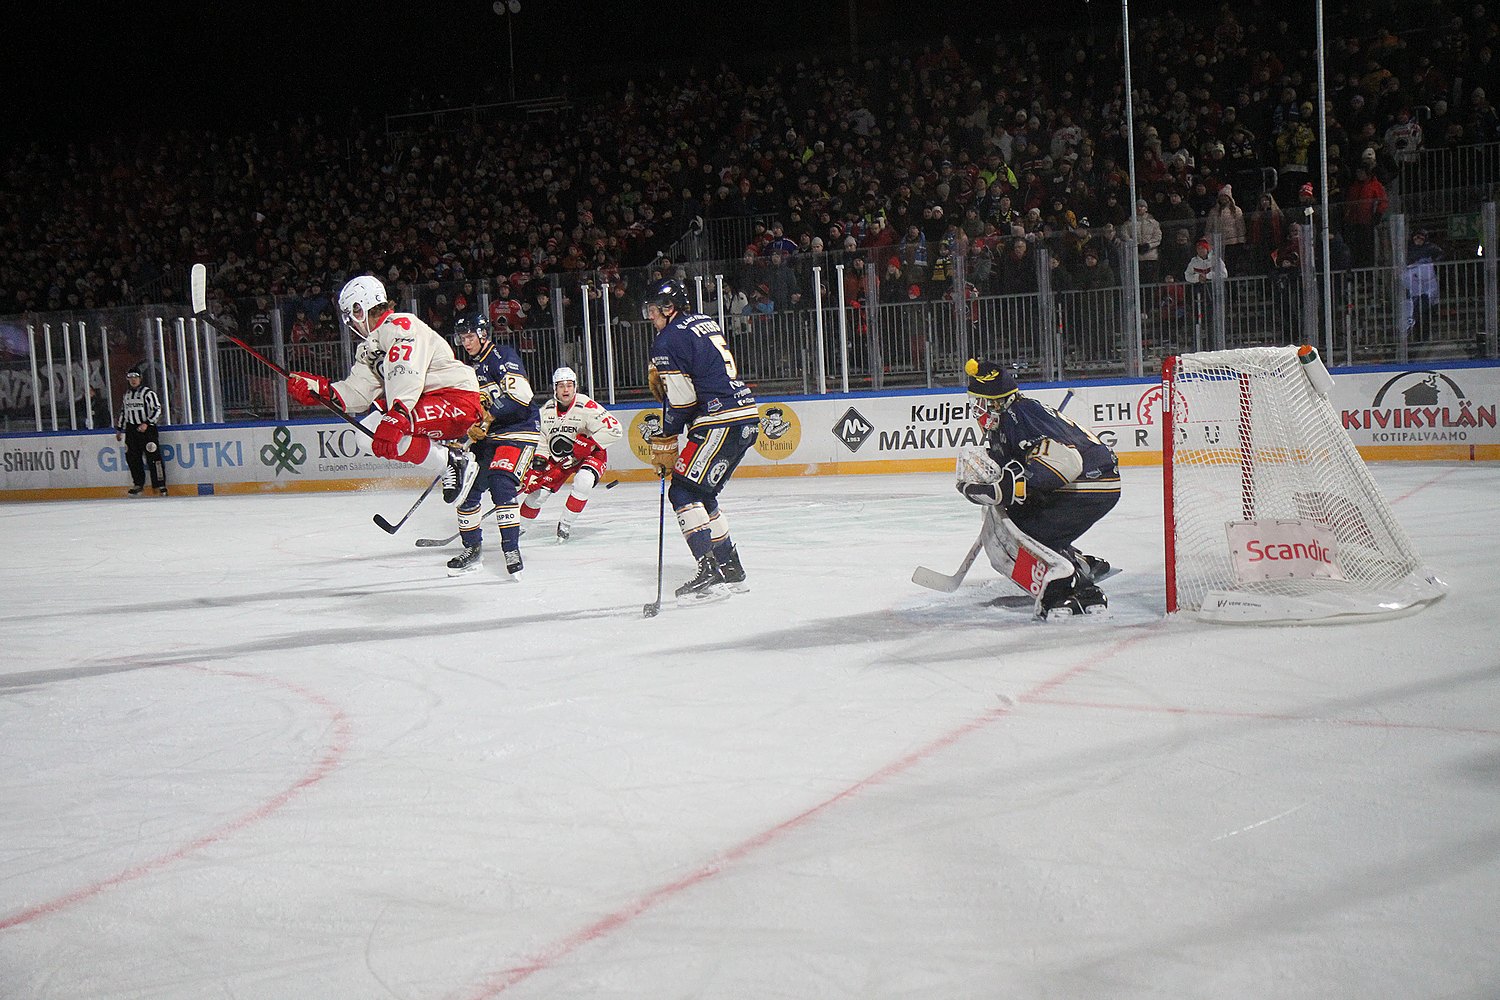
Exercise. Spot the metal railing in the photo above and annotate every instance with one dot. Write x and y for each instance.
(849, 329)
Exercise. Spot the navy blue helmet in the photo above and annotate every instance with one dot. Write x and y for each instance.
(668, 292)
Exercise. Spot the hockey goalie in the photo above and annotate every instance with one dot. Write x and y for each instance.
(1042, 481)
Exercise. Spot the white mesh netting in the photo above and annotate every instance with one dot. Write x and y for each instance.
(1253, 440)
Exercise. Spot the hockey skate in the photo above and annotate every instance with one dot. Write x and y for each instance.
(467, 561)
(459, 476)
(1084, 600)
(706, 586)
(563, 531)
(136, 491)
(513, 564)
(161, 491)
(734, 573)
(1096, 568)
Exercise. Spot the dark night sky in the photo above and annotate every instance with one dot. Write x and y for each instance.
(129, 66)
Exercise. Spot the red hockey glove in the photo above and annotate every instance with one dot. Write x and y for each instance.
(394, 426)
(583, 447)
(310, 390)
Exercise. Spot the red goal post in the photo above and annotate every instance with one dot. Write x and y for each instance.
(1270, 513)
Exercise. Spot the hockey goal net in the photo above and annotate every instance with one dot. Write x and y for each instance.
(1271, 514)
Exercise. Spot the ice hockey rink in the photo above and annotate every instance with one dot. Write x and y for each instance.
(255, 748)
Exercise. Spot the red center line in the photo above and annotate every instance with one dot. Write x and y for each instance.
(551, 954)
(325, 765)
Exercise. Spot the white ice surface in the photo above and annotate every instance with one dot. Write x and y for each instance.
(254, 748)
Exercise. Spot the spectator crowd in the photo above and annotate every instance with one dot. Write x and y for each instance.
(967, 154)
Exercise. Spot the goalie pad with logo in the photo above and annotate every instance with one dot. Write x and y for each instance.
(1028, 563)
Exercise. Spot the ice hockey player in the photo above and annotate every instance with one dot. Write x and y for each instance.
(410, 374)
(693, 375)
(1056, 480)
(575, 431)
(504, 441)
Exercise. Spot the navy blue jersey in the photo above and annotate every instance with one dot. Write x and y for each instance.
(507, 392)
(1057, 453)
(703, 387)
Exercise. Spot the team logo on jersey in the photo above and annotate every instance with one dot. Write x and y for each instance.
(780, 431)
(643, 426)
(853, 429)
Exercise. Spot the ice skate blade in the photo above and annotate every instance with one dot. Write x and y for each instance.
(710, 595)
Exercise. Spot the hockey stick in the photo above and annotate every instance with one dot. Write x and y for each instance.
(432, 543)
(391, 529)
(199, 290)
(654, 608)
(933, 580)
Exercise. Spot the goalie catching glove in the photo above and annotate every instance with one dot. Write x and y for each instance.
(1006, 491)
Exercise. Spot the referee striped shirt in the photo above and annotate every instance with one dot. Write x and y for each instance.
(139, 406)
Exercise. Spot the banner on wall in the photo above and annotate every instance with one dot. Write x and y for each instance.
(1415, 414)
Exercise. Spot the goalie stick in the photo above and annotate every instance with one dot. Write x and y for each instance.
(933, 580)
(432, 543)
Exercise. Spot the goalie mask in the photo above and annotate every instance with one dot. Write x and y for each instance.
(992, 389)
(365, 294)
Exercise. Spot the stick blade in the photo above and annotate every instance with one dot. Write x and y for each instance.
(432, 543)
(384, 525)
(198, 287)
(933, 580)
(652, 610)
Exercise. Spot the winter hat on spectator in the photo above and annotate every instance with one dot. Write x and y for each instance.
(1204, 245)
(893, 262)
(763, 289)
(1307, 190)
(914, 292)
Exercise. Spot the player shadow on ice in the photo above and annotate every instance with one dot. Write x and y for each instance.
(236, 600)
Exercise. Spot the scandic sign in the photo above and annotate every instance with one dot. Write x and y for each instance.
(1282, 550)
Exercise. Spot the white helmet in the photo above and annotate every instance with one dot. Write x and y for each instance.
(365, 291)
(565, 374)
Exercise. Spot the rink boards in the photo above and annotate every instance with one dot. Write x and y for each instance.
(1391, 413)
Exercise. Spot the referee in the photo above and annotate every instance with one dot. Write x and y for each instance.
(140, 411)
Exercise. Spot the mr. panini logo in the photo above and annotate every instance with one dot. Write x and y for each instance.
(919, 433)
(780, 431)
(1422, 406)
